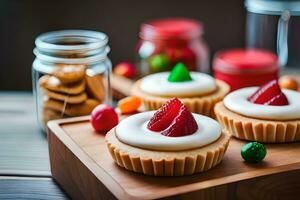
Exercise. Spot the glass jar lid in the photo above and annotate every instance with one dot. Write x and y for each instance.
(72, 46)
(273, 7)
(172, 28)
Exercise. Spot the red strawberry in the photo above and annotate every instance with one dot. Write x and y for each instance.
(165, 115)
(268, 93)
(279, 100)
(184, 124)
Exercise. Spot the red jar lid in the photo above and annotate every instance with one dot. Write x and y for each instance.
(171, 28)
(245, 61)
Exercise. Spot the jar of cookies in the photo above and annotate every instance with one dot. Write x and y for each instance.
(71, 73)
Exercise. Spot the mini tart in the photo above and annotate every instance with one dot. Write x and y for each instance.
(200, 104)
(261, 130)
(166, 163)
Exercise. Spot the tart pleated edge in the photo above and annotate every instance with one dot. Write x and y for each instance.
(203, 104)
(246, 128)
(166, 163)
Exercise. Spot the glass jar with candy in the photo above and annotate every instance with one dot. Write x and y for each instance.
(165, 42)
(70, 73)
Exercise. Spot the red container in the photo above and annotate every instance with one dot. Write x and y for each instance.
(245, 67)
(165, 42)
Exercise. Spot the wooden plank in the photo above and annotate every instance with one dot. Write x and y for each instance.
(30, 188)
(76, 149)
(283, 186)
(23, 146)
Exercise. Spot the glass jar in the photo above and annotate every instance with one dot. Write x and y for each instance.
(70, 74)
(165, 42)
(245, 67)
(275, 26)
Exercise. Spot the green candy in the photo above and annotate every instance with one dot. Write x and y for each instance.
(159, 62)
(253, 152)
(179, 74)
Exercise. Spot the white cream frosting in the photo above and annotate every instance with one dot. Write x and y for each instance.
(133, 131)
(237, 102)
(158, 84)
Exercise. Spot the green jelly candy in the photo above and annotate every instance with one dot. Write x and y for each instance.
(159, 62)
(179, 74)
(253, 152)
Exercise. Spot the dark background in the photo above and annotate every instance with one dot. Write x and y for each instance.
(22, 20)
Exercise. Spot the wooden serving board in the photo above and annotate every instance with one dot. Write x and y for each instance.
(81, 164)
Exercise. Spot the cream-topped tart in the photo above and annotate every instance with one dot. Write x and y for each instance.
(265, 114)
(158, 84)
(140, 136)
(169, 142)
(198, 91)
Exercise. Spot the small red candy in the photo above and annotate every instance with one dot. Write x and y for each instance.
(125, 69)
(104, 118)
(269, 94)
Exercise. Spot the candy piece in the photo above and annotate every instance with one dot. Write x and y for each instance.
(253, 152)
(269, 94)
(288, 82)
(125, 69)
(183, 124)
(104, 118)
(159, 62)
(179, 74)
(129, 104)
(165, 115)
(69, 74)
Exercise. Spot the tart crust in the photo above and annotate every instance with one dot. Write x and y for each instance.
(267, 131)
(166, 163)
(202, 104)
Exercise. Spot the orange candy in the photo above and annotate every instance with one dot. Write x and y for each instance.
(288, 82)
(129, 104)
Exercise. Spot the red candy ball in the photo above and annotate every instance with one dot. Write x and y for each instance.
(104, 118)
(125, 69)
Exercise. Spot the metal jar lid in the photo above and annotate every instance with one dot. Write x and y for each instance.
(273, 7)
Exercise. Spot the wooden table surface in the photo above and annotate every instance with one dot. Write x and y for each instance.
(24, 160)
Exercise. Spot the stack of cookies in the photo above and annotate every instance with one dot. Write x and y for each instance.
(71, 90)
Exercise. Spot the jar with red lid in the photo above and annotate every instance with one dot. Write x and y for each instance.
(165, 42)
(245, 67)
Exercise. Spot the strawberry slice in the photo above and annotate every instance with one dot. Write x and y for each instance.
(269, 94)
(278, 100)
(183, 124)
(165, 115)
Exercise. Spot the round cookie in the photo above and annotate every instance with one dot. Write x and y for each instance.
(71, 99)
(54, 84)
(84, 108)
(95, 87)
(69, 73)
